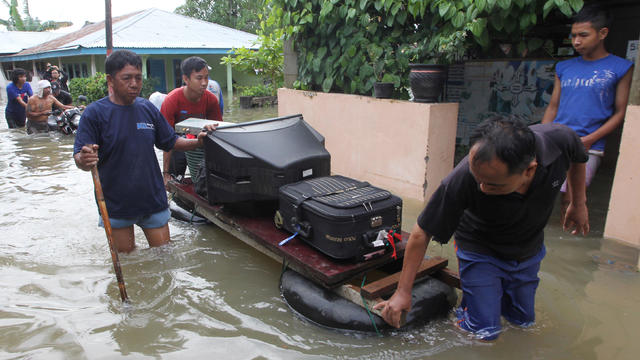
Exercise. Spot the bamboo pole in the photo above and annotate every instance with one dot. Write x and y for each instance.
(102, 205)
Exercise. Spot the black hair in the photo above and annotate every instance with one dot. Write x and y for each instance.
(16, 73)
(507, 138)
(119, 59)
(596, 14)
(191, 64)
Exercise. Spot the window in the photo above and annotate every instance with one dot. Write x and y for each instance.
(177, 73)
(76, 70)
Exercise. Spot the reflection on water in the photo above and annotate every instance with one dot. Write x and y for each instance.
(208, 294)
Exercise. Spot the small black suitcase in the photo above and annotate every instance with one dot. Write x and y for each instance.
(339, 216)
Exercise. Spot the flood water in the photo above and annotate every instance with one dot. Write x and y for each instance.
(208, 295)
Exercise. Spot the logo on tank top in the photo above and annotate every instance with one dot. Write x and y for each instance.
(145, 126)
(555, 183)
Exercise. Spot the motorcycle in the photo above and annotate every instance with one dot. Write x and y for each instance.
(66, 121)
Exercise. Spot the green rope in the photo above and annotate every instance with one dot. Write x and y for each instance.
(193, 213)
(284, 268)
(364, 278)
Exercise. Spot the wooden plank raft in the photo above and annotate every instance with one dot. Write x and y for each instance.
(261, 234)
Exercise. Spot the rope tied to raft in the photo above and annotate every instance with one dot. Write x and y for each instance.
(285, 266)
(366, 306)
(193, 213)
(390, 238)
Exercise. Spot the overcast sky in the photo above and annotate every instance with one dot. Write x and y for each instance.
(79, 11)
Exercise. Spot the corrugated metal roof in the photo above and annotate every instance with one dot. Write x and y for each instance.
(15, 41)
(151, 29)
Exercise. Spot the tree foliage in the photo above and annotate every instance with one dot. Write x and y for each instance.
(24, 21)
(268, 61)
(238, 14)
(344, 45)
(95, 87)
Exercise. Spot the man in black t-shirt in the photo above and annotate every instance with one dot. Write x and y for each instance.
(497, 201)
(62, 96)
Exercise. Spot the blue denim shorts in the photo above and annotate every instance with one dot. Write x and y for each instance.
(156, 220)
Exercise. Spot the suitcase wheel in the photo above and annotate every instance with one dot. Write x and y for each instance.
(277, 219)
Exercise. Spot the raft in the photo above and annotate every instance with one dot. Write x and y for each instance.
(324, 291)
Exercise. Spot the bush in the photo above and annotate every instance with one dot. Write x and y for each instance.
(344, 46)
(256, 90)
(95, 87)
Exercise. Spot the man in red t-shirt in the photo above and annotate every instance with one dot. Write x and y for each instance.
(189, 101)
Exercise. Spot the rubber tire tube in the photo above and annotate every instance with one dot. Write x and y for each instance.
(431, 299)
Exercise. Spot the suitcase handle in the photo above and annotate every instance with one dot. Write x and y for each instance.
(304, 228)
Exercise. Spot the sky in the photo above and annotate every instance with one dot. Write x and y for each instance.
(79, 11)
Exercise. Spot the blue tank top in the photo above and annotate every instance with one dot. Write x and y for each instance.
(588, 92)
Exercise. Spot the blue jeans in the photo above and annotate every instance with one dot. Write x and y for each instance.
(492, 288)
(15, 120)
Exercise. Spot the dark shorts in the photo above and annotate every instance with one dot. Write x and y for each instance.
(492, 288)
(15, 120)
(37, 127)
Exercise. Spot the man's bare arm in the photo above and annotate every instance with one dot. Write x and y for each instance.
(24, 104)
(552, 109)
(577, 216)
(59, 105)
(400, 302)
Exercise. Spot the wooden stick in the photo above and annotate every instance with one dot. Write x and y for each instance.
(388, 284)
(102, 205)
(448, 277)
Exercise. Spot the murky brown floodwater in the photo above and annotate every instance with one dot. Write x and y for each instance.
(208, 295)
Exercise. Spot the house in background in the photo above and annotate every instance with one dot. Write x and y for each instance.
(12, 42)
(163, 39)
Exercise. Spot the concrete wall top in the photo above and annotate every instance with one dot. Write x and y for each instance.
(401, 146)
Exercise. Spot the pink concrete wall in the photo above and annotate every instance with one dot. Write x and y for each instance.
(624, 207)
(404, 147)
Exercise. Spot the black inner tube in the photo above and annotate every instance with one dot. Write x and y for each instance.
(180, 211)
(431, 299)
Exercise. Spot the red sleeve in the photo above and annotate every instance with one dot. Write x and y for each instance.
(213, 107)
(168, 110)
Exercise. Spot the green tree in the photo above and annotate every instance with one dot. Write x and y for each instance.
(340, 43)
(95, 87)
(238, 14)
(20, 22)
(268, 60)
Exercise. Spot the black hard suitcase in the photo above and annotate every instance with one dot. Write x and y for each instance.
(339, 216)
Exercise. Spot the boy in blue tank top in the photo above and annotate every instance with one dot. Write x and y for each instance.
(591, 91)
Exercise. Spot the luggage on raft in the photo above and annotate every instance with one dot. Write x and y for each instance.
(343, 218)
(430, 299)
(249, 161)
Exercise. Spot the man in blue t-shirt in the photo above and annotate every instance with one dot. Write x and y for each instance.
(591, 91)
(118, 133)
(18, 92)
